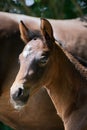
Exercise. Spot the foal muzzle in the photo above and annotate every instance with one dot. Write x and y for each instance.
(19, 96)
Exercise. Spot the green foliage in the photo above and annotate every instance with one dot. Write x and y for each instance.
(4, 127)
(46, 8)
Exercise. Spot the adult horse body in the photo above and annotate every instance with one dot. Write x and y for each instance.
(72, 33)
(45, 63)
(11, 45)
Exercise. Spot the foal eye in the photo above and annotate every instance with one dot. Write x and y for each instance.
(43, 61)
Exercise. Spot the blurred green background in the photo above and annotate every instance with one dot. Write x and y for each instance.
(56, 9)
(46, 8)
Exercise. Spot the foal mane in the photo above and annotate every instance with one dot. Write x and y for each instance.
(82, 69)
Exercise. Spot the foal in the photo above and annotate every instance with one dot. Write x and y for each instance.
(45, 63)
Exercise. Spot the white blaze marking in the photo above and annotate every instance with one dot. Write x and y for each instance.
(27, 51)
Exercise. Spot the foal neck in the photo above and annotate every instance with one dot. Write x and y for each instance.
(67, 84)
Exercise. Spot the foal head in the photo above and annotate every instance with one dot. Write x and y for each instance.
(35, 62)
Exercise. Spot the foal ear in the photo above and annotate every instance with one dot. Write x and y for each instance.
(47, 32)
(25, 32)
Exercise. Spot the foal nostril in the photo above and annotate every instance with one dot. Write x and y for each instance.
(18, 94)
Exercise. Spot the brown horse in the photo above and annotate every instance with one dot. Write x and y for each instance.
(29, 117)
(45, 63)
(11, 46)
